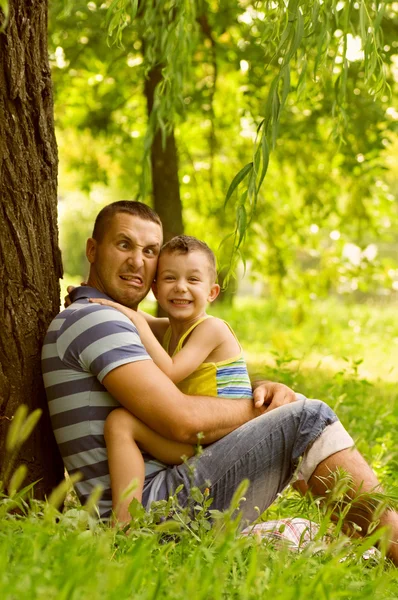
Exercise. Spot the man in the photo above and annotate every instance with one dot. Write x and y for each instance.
(93, 360)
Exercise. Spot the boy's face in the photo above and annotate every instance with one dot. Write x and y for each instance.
(184, 285)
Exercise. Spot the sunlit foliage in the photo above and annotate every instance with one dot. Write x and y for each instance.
(306, 89)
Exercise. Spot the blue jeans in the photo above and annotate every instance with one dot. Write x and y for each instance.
(266, 451)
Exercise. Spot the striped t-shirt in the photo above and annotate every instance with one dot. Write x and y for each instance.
(83, 344)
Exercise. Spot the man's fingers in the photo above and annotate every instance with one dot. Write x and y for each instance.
(260, 396)
(273, 395)
(281, 398)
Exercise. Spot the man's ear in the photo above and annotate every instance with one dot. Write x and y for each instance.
(214, 292)
(91, 250)
(154, 289)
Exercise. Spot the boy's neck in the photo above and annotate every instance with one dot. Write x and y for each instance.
(178, 327)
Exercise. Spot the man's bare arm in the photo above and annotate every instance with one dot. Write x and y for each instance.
(150, 395)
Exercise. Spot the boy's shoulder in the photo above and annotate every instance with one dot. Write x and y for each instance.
(215, 326)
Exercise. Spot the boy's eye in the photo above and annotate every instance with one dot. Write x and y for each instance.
(193, 279)
(169, 278)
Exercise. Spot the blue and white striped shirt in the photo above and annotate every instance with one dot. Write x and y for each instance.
(83, 344)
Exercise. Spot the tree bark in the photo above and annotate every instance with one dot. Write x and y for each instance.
(30, 260)
(164, 168)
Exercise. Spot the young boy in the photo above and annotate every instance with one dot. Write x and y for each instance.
(199, 353)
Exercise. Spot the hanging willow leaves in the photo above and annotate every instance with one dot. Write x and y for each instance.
(301, 31)
(239, 177)
(293, 35)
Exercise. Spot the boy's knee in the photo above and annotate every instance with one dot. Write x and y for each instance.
(117, 423)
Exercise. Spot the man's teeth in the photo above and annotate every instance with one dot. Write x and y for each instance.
(131, 278)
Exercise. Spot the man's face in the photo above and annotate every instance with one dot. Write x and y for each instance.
(123, 263)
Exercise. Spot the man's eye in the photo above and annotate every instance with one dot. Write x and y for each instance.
(123, 245)
(150, 251)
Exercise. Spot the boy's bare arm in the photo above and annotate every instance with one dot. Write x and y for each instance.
(149, 394)
(158, 325)
(203, 340)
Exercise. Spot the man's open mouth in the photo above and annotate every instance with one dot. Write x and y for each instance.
(132, 279)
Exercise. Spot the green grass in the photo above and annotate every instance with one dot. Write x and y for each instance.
(45, 554)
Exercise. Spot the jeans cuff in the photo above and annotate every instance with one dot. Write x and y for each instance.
(332, 439)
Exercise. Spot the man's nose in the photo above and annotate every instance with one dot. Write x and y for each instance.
(135, 259)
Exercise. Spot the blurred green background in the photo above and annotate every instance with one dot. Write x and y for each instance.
(320, 280)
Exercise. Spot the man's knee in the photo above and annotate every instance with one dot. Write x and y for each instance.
(305, 408)
(317, 407)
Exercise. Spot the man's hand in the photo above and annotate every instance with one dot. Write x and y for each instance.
(272, 394)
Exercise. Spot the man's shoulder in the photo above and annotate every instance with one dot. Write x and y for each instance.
(83, 315)
(84, 323)
(92, 338)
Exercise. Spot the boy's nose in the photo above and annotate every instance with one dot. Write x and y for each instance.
(181, 286)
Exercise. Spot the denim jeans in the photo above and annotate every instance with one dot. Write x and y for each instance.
(266, 451)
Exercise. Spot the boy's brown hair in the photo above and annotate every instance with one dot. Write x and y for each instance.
(184, 244)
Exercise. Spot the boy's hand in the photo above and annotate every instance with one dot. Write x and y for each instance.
(67, 300)
(69, 289)
(272, 394)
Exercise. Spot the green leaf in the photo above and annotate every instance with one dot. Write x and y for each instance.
(13, 435)
(4, 6)
(134, 8)
(57, 496)
(169, 527)
(237, 180)
(239, 494)
(17, 479)
(241, 223)
(265, 157)
(285, 86)
(92, 501)
(29, 424)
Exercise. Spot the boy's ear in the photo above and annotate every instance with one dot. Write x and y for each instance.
(214, 292)
(154, 289)
(91, 248)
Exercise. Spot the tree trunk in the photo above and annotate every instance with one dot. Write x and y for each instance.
(164, 168)
(30, 261)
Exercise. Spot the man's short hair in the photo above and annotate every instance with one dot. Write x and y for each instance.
(184, 244)
(131, 207)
